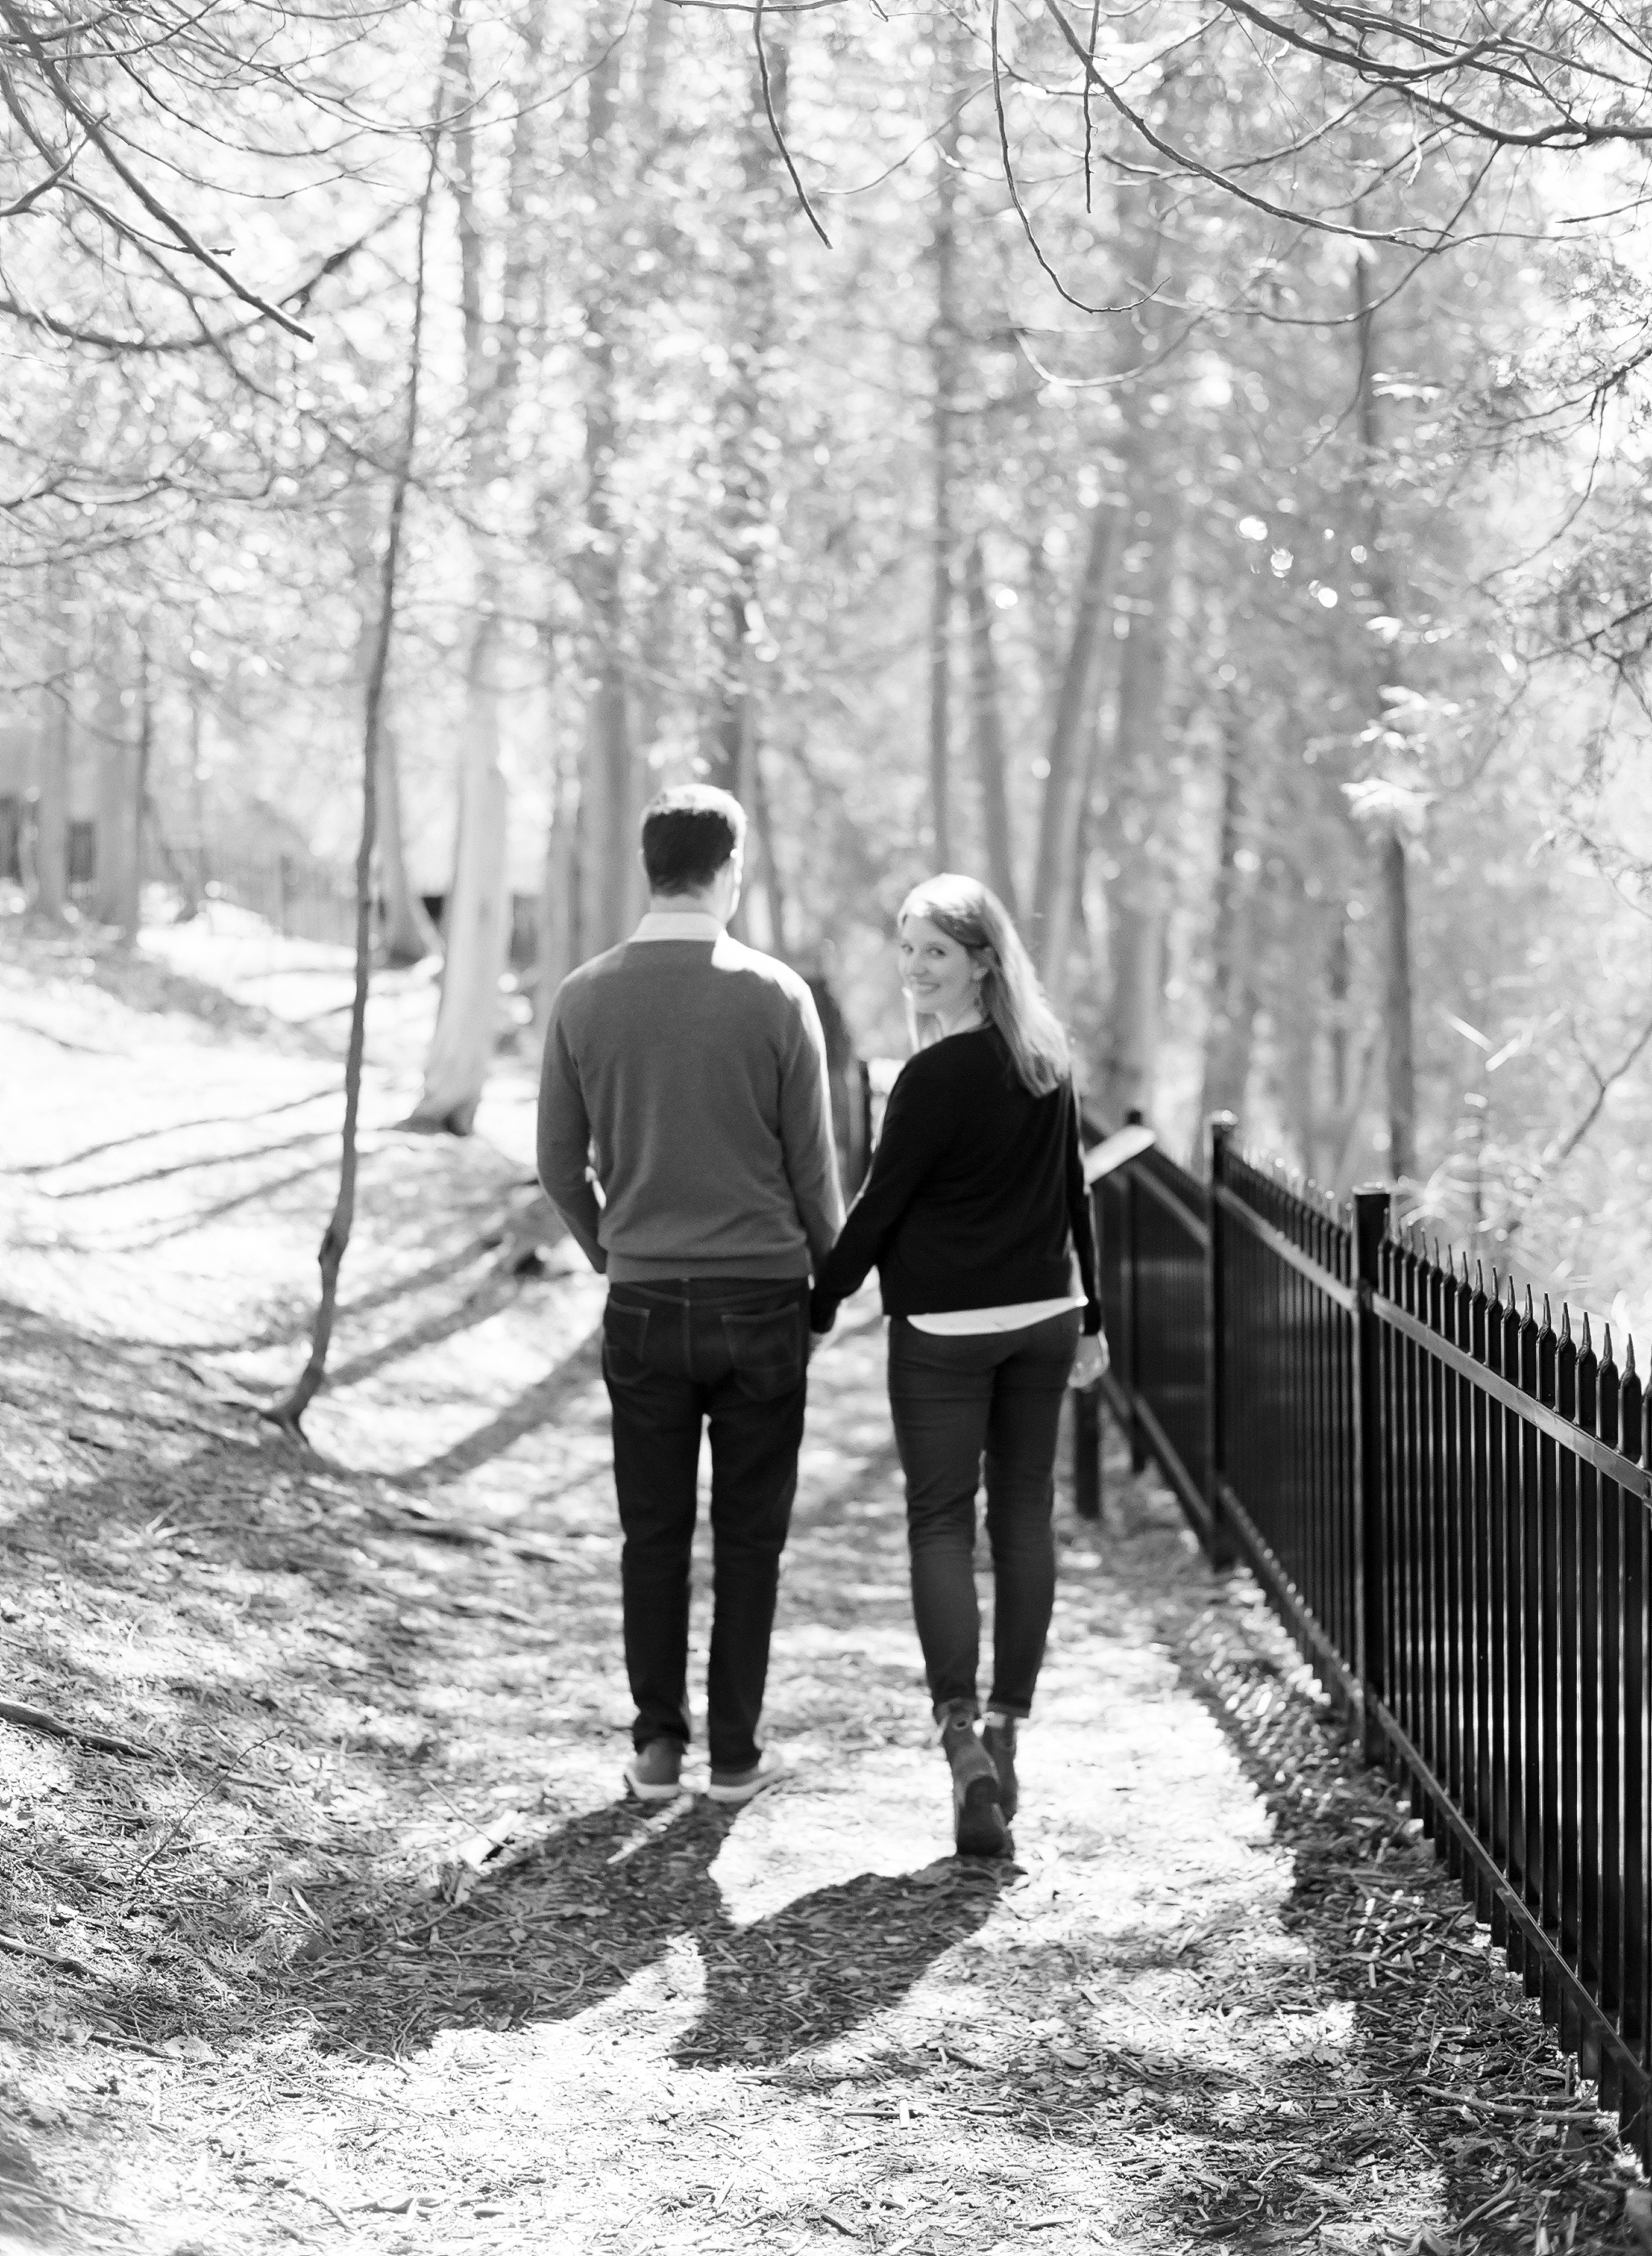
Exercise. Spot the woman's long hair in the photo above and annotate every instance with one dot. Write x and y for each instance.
(972, 915)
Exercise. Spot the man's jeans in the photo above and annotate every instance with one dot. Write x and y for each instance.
(953, 1398)
(733, 1351)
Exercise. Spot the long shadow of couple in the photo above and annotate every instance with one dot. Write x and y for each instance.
(609, 1895)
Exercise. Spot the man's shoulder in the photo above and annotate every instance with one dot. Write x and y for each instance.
(592, 972)
(765, 974)
(752, 986)
(578, 1000)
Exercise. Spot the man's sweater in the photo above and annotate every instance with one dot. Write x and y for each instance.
(690, 1077)
(976, 1197)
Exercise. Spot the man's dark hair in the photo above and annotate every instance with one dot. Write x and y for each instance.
(688, 834)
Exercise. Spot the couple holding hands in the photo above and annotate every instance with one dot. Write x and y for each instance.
(685, 1076)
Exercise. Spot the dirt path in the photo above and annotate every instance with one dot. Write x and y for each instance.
(265, 1987)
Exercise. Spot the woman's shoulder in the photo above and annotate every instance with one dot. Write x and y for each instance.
(955, 1057)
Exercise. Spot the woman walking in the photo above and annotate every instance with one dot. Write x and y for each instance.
(976, 1218)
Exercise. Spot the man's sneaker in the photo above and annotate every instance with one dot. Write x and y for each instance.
(737, 1786)
(998, 1737)
(655, 1772)
(978, 1817)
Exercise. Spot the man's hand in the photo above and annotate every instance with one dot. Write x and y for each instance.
(1091, 1361)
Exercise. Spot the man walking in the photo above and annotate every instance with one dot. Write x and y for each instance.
(687, 1075)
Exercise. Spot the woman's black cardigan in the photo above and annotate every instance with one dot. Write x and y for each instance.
(976, 1197)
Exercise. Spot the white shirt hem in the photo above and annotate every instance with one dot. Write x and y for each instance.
(1014, 1316)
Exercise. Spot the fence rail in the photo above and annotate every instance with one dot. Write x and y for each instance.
(1447, 1500)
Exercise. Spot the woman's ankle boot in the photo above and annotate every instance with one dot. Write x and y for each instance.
(978, 1815)
(998, 1737)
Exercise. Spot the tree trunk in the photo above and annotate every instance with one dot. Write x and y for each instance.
(1393, 860)
(944, 346)
(744, 409)
(1067, 783)
(607, 815)
(407, 935)
(49, 854)
(774, 891)
(1398, 1010)
(1139, 767)
(607, 809)
(150, 829)
(117, 797)
(336, 1238)
(1130, 1040)
(1074, 733)
(1233, 985)
(987, 730)
(477, 922)
(559, 890)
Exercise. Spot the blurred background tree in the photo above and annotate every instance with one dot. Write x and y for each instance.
(1187, 470)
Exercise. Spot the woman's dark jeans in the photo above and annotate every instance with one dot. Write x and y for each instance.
(954, 1399)
(731, 1352)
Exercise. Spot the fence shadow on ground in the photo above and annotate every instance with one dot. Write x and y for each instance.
(1389, 1939)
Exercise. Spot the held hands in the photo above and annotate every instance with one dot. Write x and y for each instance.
(1091, 1361)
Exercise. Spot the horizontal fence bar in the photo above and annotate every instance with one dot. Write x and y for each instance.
(1187, 1488)
(1288, 1251)
(1635, 1478)
(1191, 1222)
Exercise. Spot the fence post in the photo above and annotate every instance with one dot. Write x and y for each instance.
(1221, 1127)
(1370, 1226)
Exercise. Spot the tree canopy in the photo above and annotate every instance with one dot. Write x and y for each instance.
(1183, 465)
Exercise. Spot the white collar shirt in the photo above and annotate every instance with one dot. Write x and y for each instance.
(679, 923)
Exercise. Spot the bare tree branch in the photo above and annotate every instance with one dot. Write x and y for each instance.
(774, 124)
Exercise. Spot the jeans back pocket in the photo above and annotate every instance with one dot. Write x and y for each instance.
(624, 1334)
(767, 1351)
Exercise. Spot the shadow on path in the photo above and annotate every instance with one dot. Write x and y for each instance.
(605, 1898)
(486, 1299)
(545, 1399)
(297, 1326)
(176, 1128)
(193, 1166)
(221, 1207)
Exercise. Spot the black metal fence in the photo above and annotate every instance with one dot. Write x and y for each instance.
(1446, 1498)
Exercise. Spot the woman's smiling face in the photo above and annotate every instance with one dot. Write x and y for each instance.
(937, 971)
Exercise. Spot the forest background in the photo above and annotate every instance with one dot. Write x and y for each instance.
(1187, 468)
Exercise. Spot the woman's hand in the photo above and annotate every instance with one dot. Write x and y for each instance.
(1091, 1361)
